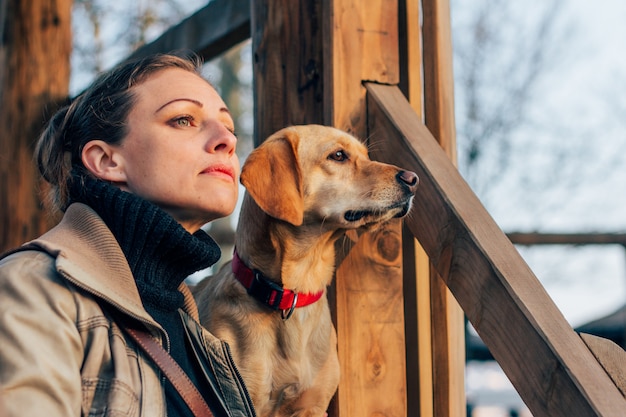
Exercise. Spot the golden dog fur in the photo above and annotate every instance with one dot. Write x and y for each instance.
(306, 187)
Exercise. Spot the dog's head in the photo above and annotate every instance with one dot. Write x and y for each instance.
(319, 174)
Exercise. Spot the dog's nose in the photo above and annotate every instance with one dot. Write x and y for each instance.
(409, 178)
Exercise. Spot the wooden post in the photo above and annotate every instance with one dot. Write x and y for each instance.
(416, 266)
(310, 59)
(35, 51)
(288, 56)
(369, 310)
(448, 325)
(431, 312)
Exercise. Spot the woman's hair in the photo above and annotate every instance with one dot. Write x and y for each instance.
(100, 112)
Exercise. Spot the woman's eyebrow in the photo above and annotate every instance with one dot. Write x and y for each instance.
(196, 102)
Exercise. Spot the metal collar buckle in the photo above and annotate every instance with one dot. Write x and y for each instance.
(286, 313)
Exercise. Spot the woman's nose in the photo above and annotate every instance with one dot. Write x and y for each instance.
(222, 140)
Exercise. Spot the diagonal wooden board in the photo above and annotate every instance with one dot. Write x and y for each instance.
(547, 362)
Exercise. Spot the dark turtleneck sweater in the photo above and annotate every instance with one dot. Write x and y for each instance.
(161, 254)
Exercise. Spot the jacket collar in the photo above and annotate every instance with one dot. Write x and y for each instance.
(88, 255)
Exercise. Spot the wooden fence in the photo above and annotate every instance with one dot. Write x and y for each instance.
(382, 70)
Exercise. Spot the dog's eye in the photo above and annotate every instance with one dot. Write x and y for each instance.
(339, 155)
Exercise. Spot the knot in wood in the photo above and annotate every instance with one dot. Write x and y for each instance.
(389, 246)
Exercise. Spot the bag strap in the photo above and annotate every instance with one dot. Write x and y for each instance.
(172, 371)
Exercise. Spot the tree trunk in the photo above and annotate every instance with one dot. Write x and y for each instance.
(35, 46)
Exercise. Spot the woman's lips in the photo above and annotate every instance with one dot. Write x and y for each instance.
(220, 170)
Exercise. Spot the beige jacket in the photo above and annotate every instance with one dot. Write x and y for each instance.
(62, 355)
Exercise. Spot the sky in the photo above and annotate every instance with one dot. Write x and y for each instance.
(581, 104)
(592, 95)
(567, 170)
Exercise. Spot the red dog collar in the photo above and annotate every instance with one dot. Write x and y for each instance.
(270, 293)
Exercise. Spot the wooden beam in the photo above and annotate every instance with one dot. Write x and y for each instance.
(438, 74)
(369, 284)
(551, 368)
(537, 238)
(34, 78)
(364, 47)
(415, 263)
(209, 32)
(447, 321)
(288, 49)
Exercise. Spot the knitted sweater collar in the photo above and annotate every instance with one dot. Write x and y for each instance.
(160, 252)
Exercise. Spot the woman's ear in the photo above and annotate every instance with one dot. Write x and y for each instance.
(103, 161)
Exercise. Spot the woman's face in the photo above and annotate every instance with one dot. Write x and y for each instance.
(179, 152)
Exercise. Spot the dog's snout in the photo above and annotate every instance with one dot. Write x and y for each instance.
(409, 178)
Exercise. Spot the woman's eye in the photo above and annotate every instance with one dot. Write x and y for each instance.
(184, 121)
(339, 155)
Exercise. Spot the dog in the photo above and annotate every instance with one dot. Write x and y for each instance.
(306, 186)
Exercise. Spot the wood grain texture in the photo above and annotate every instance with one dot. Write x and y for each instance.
(288, 61)
(438, 74)
(447, 320)
(35, 49)
(419, 329)
(364, 48)
(553, 371)
(369, 304)
(370, 326)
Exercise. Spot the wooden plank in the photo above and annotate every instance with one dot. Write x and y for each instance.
(417, 313)
(364, 47)
(448, 325)
(370, 326)
(34, 78)
(438, 74)
(209, 32)
(536, 238)
(553, 371)
(416, 265)
(411, 54)
(369, 312)
(426, 365)
(288, 61)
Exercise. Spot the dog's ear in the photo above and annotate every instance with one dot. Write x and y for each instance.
(272, 176)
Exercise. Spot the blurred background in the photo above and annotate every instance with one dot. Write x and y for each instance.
(540, 95)
(541, 116)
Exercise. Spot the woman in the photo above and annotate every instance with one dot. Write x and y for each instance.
(136, 164)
